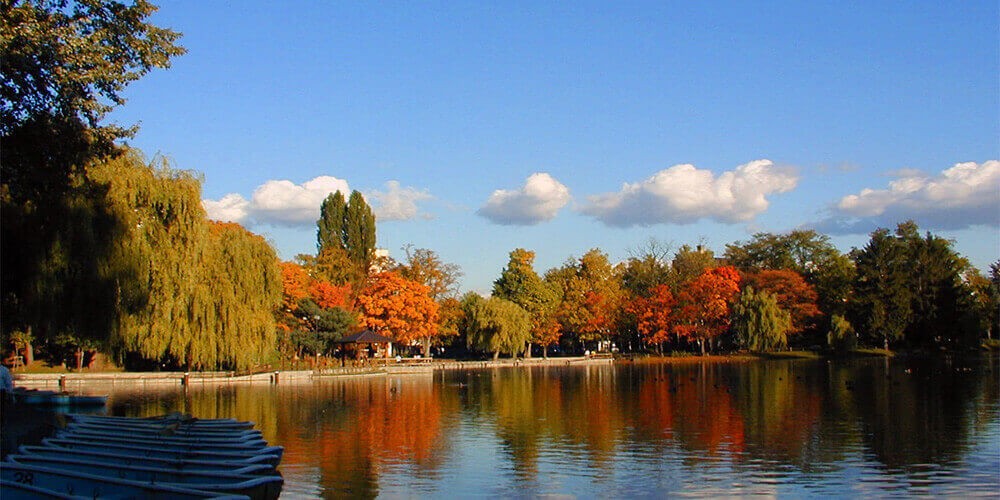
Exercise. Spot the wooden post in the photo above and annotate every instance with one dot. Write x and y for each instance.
(276, 377)
(62, 382)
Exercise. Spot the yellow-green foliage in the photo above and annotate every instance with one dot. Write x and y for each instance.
(188, 291)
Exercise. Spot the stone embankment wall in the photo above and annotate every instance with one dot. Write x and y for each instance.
(74, 382)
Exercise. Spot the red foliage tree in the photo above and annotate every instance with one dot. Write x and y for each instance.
(793, 293)
(653, 315)
(704, 305)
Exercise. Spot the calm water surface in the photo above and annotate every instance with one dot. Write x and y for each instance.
(792, 428)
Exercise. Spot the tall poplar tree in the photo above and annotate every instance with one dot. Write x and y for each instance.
(346, 230)
(330, 226)
(359, 231)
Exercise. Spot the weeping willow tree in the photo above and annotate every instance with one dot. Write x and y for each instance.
(759, 323)
(236, 298)
(188, 292)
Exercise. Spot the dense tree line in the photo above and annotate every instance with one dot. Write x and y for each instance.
(902, 290)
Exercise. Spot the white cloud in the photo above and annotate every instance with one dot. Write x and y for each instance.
(397, 202)
(964, 195)
(539, 200)
(683, 194)
(284, 203)
(231, 208)
(277, 202)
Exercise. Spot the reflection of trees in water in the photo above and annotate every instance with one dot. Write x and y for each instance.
(351, 430)
(809, 415)
(915, 411)
(539, 407)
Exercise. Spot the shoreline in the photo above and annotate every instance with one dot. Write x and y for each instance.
(76, 382)
(79, 382)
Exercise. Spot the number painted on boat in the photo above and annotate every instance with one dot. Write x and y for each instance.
(24, 477)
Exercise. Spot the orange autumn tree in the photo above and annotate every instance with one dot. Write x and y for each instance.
(296, 283)
(653, 315)
(313, 311)
(328, 296)
(398, 308)
(793, 294)
(703, 307)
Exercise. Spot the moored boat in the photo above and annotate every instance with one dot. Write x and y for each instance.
(258, 464)
(154, 439)
(254, 486)
(174, 456)
(155, 451)
(164, 430)
(182, 420)
(65, 482)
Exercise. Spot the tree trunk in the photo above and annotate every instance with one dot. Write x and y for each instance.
(527, 351)
(79, 359)
(427, 347)
(496, 355)
(545, 351)
(701, 344)
(29, 352)
(885, 342)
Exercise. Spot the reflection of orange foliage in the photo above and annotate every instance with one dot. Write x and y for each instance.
(655, 409)
(705, 414)
(371, 424)
(397, 307)
(653, 314)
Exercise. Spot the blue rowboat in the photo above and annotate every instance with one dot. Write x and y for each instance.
(256, 487)
(64, 482)
(258, 465)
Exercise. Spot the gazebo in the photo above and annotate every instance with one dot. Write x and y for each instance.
(368, 337)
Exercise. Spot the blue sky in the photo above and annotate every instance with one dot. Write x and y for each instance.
(474, 128)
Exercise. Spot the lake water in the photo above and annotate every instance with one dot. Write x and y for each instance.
(792, 428)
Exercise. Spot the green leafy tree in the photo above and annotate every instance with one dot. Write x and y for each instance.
(841, 336)
(520, 284)
(806, 252)
(495, 325)
(881, 306)
(589, 298)
(689, 263)
(325, 326)
(942, 302)
(74, 59)
(647, 268)
(759, 323)
(64, 66)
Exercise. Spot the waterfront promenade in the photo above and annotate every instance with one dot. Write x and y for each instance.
(78, 381)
